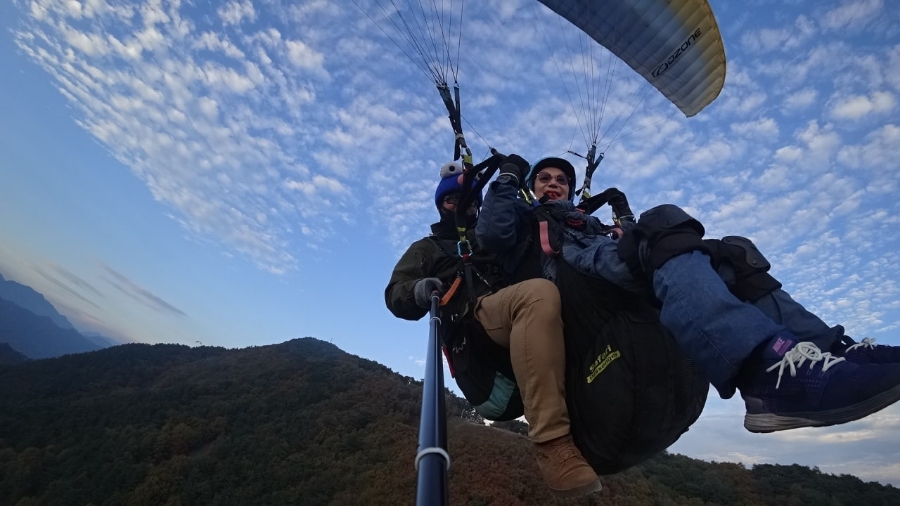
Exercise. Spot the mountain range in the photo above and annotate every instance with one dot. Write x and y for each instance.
(304, 423)
(27, 298)
(31, 326)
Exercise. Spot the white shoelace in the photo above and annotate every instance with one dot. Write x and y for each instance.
(868, 342)
(801, 353)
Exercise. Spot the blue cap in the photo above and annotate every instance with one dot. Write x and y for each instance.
(450, 173)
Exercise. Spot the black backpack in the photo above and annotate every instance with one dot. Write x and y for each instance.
(630, 390)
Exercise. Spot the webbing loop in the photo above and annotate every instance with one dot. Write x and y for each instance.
(546, 242)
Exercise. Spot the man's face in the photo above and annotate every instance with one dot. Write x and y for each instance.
(553, 183)
(451, 200)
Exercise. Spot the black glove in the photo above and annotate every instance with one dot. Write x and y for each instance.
(590, 225)
(423, 289)
(619, 205)
(515, 166)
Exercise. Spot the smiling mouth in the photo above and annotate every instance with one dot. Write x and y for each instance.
(552, 194)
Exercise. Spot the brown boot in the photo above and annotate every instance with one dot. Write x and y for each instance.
(564, 469)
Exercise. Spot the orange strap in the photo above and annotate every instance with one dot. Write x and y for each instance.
(449, 295)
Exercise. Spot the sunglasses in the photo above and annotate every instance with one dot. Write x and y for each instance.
(452, 199)
(545, 178)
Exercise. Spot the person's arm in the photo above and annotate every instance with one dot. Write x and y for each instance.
(498, 229)
(592, 252)
(399, 296)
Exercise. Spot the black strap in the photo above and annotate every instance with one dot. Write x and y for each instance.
(453, 111)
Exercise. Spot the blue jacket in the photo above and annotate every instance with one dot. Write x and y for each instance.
(504, 223)
(506, 220)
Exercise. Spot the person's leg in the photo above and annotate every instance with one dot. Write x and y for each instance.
(781, 308)
(525, 318)
(786, 382)
(745, 271)
(712, 326)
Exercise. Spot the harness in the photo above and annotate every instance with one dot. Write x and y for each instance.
(550, 223)
(475, 177)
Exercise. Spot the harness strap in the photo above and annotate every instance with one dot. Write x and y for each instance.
(467, 269)
(547, 241)
(452, 291)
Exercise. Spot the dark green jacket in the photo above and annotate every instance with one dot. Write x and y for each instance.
(435, 256)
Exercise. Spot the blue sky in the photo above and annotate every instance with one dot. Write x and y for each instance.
(244, 173)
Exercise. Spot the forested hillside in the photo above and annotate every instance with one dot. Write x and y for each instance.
(302, 423)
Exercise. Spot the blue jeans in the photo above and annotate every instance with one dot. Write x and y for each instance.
(781, 308)
(715, 329)
(784, 310)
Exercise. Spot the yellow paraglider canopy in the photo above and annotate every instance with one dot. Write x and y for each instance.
(674, 44)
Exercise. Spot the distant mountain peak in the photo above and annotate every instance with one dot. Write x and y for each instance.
(32, 300)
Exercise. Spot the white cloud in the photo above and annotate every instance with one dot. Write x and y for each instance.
(38, 11)
(303, 56)
(784, 39)
(210, 138)
(315, 185)
(852, 13)
(748, 103)
(150, 39)
(714, 153)
(892, 69)
(776, 177)
(821, 142)
(857, 106)
(130, 49)
(88, 43)
(233, 13)
(801, 99)
(880, 152)
(788, 154)
(766, 39)
(763, 127)
(808, 65)
(213, 42)
(209, 107)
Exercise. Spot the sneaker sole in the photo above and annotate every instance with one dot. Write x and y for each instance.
(590, 488)
(770, 422)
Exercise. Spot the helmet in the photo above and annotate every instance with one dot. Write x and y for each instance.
(561, 164)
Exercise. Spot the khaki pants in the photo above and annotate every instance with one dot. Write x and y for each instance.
(525, 319)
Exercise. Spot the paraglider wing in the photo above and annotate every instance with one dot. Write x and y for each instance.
(674, 44)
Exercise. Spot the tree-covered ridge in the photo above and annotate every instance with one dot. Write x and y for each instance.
(9, 356)
(302, 423)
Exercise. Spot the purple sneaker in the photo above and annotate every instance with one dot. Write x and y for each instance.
(866, 351)
(811, 388)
